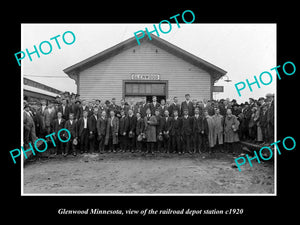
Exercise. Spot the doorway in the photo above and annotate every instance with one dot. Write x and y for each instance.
(139, 89)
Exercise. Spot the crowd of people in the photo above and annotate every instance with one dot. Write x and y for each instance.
(167, 126)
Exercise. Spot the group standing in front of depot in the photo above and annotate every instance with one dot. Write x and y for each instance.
(151, 127)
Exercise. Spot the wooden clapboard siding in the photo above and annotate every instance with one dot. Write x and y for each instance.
(104, 80)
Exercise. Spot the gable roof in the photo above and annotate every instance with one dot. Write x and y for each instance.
(213, 70)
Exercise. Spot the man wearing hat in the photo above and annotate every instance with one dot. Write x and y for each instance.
(49, 115)
(76, 109)
(29, 126)
(64, 109)
(270, 117)
(235, 109)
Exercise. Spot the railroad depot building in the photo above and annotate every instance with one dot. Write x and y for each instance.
(155, 67)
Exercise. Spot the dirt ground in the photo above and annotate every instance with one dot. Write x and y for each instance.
(151, 174)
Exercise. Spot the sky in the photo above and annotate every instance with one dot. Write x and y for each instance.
(243, 50)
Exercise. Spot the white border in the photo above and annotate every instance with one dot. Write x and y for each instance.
(158, 194)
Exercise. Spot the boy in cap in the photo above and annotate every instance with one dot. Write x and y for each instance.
(187, 126)
(198, 130)
(123, 128)
(175, 132)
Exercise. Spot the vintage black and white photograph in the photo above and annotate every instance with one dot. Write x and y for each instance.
(131, 109)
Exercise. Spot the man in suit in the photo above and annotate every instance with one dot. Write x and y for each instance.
(83, 107)
(198, 130)
(71, 125)
(123, 131)
(64, 109)
(159, 143)
(139, 130)
(166, 125)
(154, 105)
(112, 131)
(74, 107)
(143, 108)
(131, 130)
(41, 129)
(92, 127)
(270, 117)
(113, 106)
(101, 129)
(49, 116)
(150, 131)
(29, 126)
(83, 132)
(124, 106)
(187, 126)
(90, 109)
(187, 104)
(174, 106)
(58, 124)
(175, 132)
(162, 108)
(102, 107)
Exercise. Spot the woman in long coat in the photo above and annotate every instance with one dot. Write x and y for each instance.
(211, 127)
(150, 130)
(231, 125)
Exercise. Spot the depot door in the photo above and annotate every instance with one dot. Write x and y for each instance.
(145, 89)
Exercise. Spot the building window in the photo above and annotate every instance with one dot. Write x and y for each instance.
(145, 88)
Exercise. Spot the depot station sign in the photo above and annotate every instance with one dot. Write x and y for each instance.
(145, 76)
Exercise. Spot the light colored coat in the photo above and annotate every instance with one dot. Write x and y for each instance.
(230, 135)
(49, 117)
(218, 129)
(211, 131)
(115, 130)
(150, 128)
